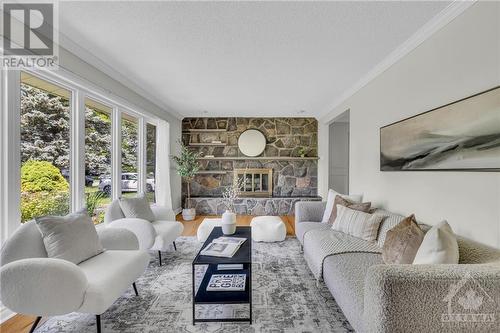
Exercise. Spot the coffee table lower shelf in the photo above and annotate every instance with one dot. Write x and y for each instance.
(202, 296)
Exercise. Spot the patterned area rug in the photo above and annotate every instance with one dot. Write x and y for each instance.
(286, 298)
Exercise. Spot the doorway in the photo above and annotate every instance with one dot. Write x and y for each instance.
(338, 164)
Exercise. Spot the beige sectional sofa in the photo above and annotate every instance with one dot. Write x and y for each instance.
(376, 297)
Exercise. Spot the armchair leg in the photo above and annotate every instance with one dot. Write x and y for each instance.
(35, 324)
(98, 323)
(175, 247)
(159, 257)
(135, 289)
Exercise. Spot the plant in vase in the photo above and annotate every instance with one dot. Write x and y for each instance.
(187, 167)
(229, 195)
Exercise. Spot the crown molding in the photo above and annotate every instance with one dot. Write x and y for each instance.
(439, 21)
(91, 59)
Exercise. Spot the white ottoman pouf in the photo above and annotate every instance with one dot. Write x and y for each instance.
(206, 228)
(268, 229)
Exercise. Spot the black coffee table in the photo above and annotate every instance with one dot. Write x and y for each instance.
(242, 256)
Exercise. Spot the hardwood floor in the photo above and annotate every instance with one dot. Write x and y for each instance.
(190, 227)
(22, 323)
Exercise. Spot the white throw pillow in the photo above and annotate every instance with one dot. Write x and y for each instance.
(72, 237)
(138, 208)
(356, 223)
(331, 200)
(439, 246)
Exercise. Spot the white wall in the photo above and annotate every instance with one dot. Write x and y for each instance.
(77, 66)
(461, 59)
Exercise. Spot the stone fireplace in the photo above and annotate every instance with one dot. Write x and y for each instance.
(291, 177)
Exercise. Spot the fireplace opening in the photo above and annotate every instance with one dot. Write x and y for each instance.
(255, 182)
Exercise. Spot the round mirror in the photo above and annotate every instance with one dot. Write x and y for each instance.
(252, 142)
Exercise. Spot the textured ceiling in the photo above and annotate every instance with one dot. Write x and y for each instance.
(243, 58)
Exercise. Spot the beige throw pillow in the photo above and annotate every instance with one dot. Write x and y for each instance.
(331, 200)
(138, 207)
(72, 237)
(439, 246)
(402, 242)
(357, 223)
(361, 206)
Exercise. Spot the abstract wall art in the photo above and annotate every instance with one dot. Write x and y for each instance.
(463, 135)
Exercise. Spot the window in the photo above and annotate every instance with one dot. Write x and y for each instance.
(45, 148)
(97, 158)
(150, 162)
(130, 145)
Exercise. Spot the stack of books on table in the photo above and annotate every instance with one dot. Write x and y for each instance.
(223, 247)
(227, 282)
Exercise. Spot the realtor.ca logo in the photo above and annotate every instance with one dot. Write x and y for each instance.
(30, 35)
(469, 303)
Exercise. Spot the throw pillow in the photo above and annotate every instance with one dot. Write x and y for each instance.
(402, 242)
(438, 247)
(138, 207)
(362, 207)
(390, 221)
(72, 237)
(330, 202)
(356, 223)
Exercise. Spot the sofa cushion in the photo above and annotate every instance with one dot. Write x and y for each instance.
(303, 227)
(108, 275)
(344, 275)
(361, 206)
(138, 208)
(357, 223)
(331, 199)
(402, 242)
(438, 247)
(72, 237)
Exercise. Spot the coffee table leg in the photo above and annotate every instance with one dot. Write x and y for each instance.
(192, 274)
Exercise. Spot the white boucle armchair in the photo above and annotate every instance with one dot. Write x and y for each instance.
(33, 284)
(158, 235)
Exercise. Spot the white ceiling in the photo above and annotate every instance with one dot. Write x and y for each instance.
(243, 58)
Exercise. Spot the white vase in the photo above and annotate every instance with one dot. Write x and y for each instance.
(188, 214)
(228, 223)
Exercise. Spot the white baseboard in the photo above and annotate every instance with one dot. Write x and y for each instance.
(5, 314)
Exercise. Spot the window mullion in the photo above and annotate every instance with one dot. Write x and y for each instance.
(77, 153)
(116, 154)
(141, 157)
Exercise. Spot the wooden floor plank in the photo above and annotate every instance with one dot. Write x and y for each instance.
(21, 323)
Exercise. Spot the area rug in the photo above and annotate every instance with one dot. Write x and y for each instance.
(286, 298)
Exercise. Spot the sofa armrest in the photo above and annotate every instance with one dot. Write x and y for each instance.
(42, 286)
(309, 211)
(142, 229)
(163, 213)
(420, 298)
(118, 239)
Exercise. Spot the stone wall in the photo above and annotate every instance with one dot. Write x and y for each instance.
(284, 136)
(294, 177)
(250, 206)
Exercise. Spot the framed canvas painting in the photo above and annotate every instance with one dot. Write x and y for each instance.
(463, 135)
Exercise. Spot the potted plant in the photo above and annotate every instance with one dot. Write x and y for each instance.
(229, 195)
(187, 167)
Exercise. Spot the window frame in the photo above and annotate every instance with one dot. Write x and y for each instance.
(80, 90)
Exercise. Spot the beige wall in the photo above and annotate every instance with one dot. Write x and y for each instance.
(461, 59)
